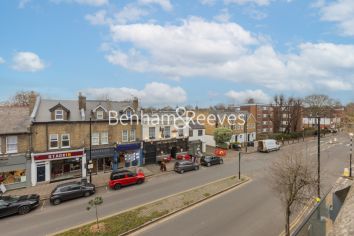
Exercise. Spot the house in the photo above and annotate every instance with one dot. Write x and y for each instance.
(197, 141)
(15, 146)
(61, 131)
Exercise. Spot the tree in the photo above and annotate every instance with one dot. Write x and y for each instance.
(320, 105)
(21, 98)
(294, 179)
(94, 203)
(222, 135)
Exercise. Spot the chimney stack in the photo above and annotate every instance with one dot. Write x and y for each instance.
(82, 102)
(32, 102)
(135, 104)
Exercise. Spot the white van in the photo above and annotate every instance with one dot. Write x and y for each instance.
(268, 145)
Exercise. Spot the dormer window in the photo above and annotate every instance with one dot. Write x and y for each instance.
(129, 113)
(59, 115)
(99, 115)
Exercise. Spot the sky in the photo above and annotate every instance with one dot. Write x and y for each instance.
(177, 52)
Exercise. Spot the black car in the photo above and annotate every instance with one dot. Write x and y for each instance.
(183, 166)
(71, 190)
(211, 160)
(10, 205)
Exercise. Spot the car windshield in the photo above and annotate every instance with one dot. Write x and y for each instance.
(10, 198)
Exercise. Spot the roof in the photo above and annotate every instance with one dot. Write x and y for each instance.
(17, 120)
(196, 125)
(118, 106)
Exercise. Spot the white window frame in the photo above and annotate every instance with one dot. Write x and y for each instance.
(50, 141)
(95, 138)
(56, 114)
(200, 130)
(132, 135)
(99, 115)
(125, 136)
(8, 150)
(152, 137)
(104, 138)
(65, 140)
(165, 133)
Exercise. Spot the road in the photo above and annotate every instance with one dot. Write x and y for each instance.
(249, 210)
(253, 209)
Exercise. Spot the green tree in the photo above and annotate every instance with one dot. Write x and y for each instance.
(94, 203)
(222, 135)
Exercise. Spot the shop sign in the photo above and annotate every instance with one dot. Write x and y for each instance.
(220, 152)
(58, 155)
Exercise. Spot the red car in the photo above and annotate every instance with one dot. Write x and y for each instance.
(122, 178)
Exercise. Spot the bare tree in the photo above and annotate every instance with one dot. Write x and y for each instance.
(320, 105)
(278, 107)
(21, 98)
(294, 180)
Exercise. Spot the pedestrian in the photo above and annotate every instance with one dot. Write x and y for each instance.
(161, 166)
(164, 166)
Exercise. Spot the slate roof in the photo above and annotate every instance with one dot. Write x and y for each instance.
(196, 125)
(14, 120)
(118, 106)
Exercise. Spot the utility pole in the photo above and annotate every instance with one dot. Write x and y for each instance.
(239, 165)
(318, 156)
(245, 131)
(90, 162)
(350, 155)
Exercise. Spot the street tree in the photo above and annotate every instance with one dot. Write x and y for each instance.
(222, 135)
(320, 105)
(94, 203)
(294, 180)
(21, 98)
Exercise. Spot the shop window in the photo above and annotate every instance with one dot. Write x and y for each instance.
(53, 141)
(99, 115)
(59, 115)
(132, 135)
(167, 132)
(95, 139)
(125, 136)
(180, 131)
(65, 140)
(13, 177)
(152, 133)
(200, 132)
(104, 138)
(11, 144)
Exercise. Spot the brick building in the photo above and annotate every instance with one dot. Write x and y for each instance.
(15, 146)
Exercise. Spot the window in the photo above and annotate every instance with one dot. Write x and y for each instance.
(0, 144)
(99, 115)
(265, 130)
(265, 115)
(200, 132)
(129, 113)
(104, 138)
(167, 132)
(59, 115)
(264, 122)
(11, 144)
(180, 131)
(152, 133)
(125, 136)
(53, 141)
(65, 140)
(132, 135)
(265, 108)
(95, 138)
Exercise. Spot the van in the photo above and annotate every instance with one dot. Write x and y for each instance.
(268, 145)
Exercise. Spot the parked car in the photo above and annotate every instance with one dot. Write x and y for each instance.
(21, 205)
(268, 145)
(71, 190)
(122, 178)
(183, 166)
(211, 160)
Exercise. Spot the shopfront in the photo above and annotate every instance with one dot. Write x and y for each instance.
(128, 155)
(56, 166)
(102, 159)
(14, 172)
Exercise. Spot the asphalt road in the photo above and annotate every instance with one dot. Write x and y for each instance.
(250, 210)
(254, 208)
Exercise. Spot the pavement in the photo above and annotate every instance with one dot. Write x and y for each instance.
(250, 210)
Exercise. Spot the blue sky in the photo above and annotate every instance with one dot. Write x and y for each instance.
(170, 52)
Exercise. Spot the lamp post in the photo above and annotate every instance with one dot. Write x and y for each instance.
(245, 130)
(350, 154)
(318, 156)
(90, 161)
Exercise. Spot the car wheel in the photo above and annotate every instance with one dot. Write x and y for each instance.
(117, 187)
(140, 181)
(208, 164)
(57, 201)
(221, 161)
(196, 168)
(86, 194)
(182, 171)
(23, 210)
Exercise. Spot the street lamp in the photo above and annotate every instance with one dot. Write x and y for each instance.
(350, 154)
(245, 130)
(318, 155)
(90, 162)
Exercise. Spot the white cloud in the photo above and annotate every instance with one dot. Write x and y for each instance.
(242, 96)
(335, 85)
(340, 12)
(2, 61)
(243, 2)
(152, 94)
(23, 3)
(99, 18)
(207, 2)
(130, 13)
(27, 61)
(165, 4)
(224, 16)
(95, 3)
